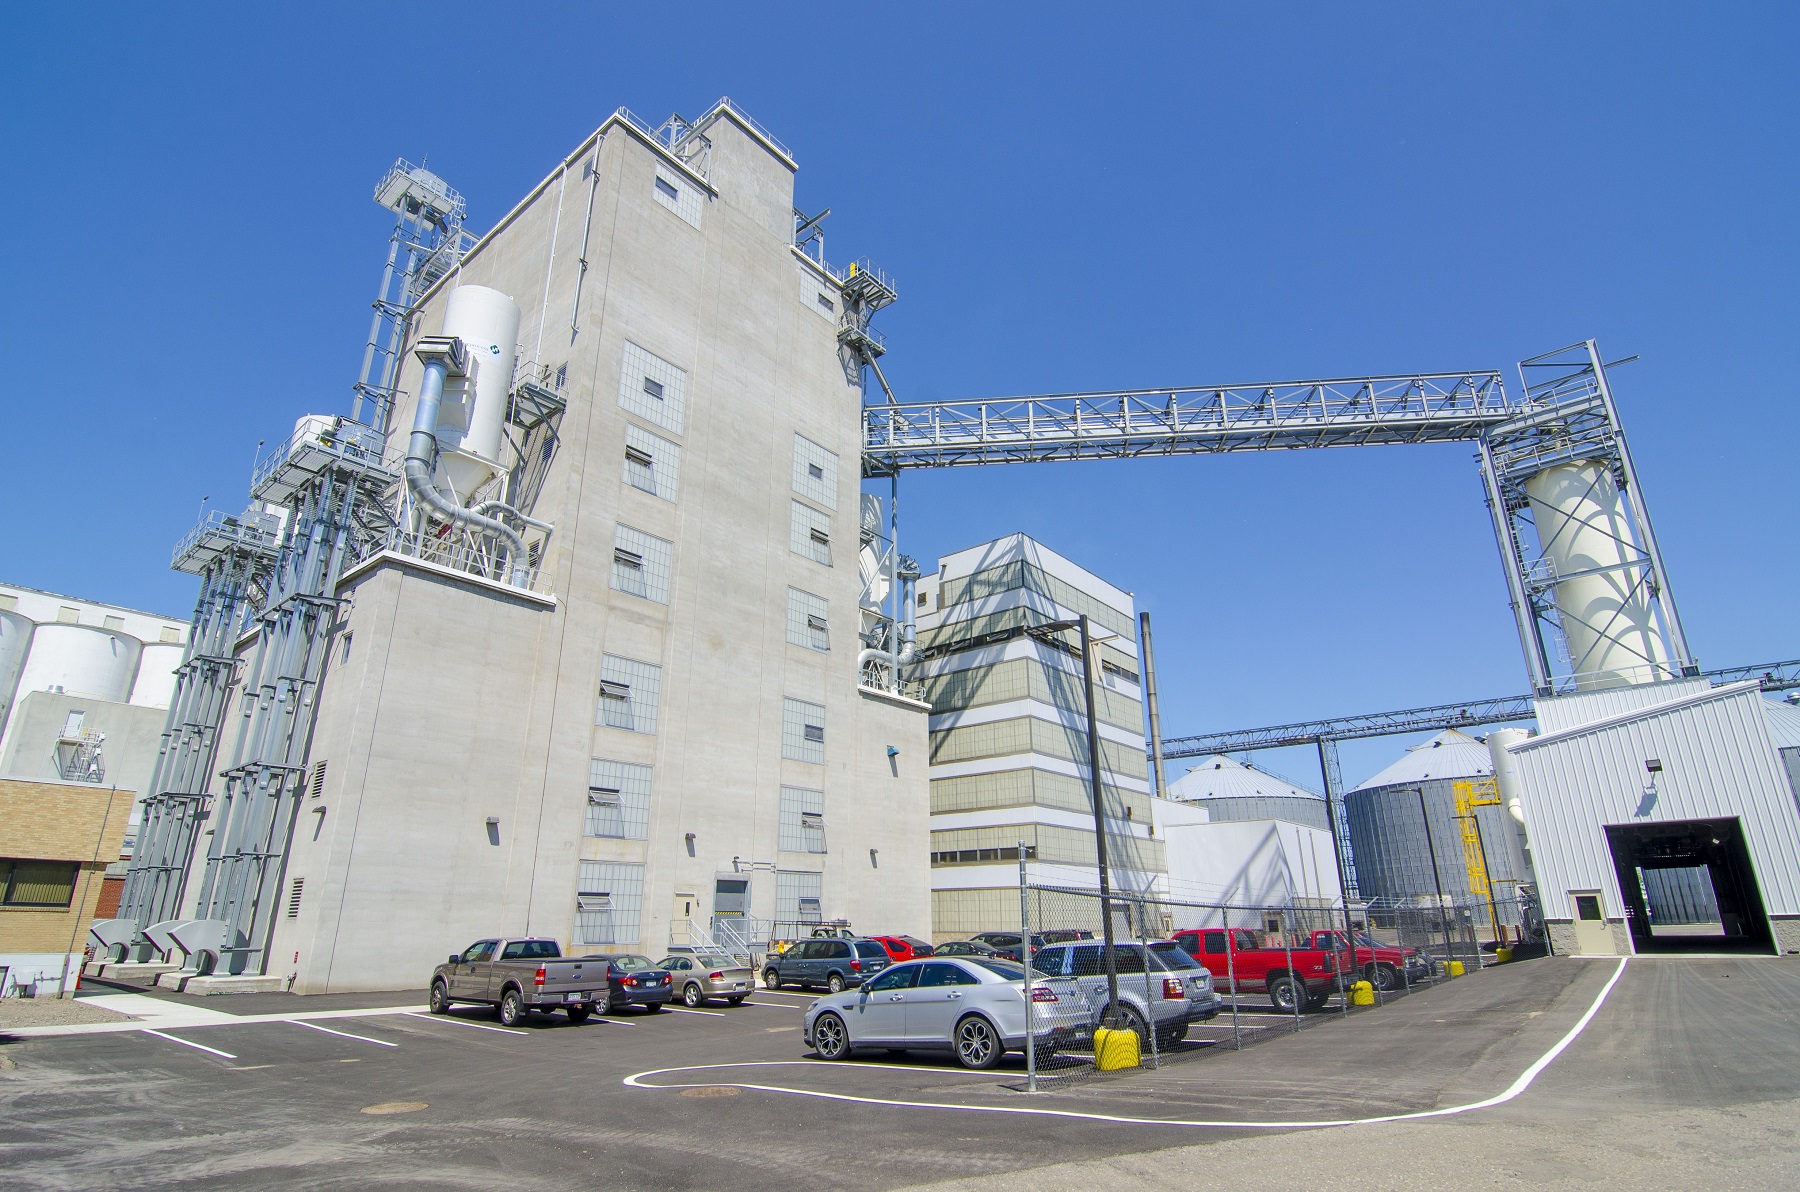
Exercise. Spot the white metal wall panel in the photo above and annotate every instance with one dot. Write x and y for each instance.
(1571, 711)
(1718, 761)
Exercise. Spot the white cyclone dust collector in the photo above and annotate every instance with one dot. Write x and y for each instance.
(473, 410)
(1585, 528)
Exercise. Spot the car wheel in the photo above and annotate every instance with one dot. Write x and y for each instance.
(1384, 977)
(1172, 1036)
(831, 1039)
(736, 1001)
(691, 996)
(605, 1004)
(653, 1007)
(512, 1008)
(440, 998)
(977, 1043)
(578, 1014)
(1318, 1001)
(1284, 994)
(771, 978)
(835, 983)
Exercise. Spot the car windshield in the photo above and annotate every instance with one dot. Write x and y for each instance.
(1004, 968)
(632, 964)
(871, 950)
(530, 950)
(1174, 957)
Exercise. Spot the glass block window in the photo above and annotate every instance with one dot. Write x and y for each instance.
(806, 621)
(629, 694)
(803, 731)
(651, 464)
(641, 564)
(815, 472)
(652, 388)
(609, 902)
(798, 898)
(809, 533)
(802, 820)
(678, 195)
(618, 800)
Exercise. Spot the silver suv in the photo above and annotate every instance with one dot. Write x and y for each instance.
(834, 963)
(1173, 991)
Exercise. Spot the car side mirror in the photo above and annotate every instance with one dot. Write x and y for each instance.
(455, 958)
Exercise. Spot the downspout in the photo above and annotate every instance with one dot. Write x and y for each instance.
(439, 355)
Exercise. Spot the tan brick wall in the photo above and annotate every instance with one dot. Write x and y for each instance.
(56, 821)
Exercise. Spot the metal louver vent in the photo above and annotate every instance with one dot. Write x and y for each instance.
(293, 907)
(318, 785)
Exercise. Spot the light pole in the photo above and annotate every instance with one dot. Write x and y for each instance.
(1042, 634)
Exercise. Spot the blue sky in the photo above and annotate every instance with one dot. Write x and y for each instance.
(1068, 197)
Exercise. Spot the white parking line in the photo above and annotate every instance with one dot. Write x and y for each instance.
(480, 1026)
(1517, 1087)
(685, 1010)
(774, 1005)
(186, 1043)
(344, 1034)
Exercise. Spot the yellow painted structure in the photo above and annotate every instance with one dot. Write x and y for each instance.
(1114, 1050)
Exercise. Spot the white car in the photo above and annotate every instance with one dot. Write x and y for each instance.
(973, 1006)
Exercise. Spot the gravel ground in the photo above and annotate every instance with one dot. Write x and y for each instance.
(51, 1011)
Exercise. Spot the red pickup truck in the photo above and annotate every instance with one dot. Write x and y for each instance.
(1291, 977)
(1383, 967)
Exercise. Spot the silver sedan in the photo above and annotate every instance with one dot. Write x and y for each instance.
(973, 1006)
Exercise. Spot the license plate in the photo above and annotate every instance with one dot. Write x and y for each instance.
(577, 997)
(738, 985)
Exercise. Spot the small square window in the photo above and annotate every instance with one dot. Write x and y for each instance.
(600, 796)
(815, 471)
(627, 558)
(653, 387)
(668, 188)
(821, 535)
(589, 902)
(612, 690)
(826, 303)
(814, 732)
(817, 623)
(114, 622)
(639, 456)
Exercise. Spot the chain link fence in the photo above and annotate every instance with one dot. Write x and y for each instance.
(1191, 978)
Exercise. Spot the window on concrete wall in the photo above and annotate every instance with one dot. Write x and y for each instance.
(802, 815)
(815, 472)
(37, 883)
(652, 388)
(798, 897)
(114, 622)
(809, 533)
(803, 731)
(678, 195)
(807, 624)
(629, 694)
(609, 902)
(69, 615)
(651, 463)
(618, 800)
(641, 564)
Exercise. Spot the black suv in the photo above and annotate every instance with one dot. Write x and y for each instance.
(835, 964)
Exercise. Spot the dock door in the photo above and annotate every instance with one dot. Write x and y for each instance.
(1689, 887)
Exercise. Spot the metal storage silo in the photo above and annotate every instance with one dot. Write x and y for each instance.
(154, 686)
(81, 660)
(15, 645)
(1231, 790)
(1387, 829)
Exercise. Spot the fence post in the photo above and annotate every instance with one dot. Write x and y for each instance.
(1294, 982)
(1149, 994)
(1025, 954)
(1237, 1038)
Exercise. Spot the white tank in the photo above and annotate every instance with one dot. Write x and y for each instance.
(15, 645)
(1506, 769)
(154, 686)
(316, 426)
(474, 410)
(81, 660)
(1583, 523)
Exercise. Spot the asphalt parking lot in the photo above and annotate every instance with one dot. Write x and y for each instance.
(728, 1097)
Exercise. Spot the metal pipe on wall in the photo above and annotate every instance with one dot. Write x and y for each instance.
(1150, 706)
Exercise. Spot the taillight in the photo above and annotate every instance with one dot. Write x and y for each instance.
(539, 979)
(630, 981)
(715, 976)
(1172, 987)
(1042, 993)
(856, 966)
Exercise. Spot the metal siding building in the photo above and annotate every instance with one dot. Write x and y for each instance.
(1719, 760)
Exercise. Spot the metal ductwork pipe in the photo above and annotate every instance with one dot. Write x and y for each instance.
(1506, 769)
(440, 355)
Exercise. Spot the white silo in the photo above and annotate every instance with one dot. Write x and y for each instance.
(81, 660)
(473, 411)
(15, 645)
(154, 686)
(1584, 527)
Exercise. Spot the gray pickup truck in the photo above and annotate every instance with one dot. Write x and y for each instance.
(518, 976)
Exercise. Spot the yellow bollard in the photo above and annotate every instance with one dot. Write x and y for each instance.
(1114, 1050)
(1502, 954)
(1362, 994)
(1455, 968)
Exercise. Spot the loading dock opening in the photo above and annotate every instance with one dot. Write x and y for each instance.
(1716, 848)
